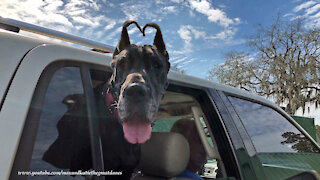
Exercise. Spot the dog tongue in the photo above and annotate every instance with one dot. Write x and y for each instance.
(136, 132)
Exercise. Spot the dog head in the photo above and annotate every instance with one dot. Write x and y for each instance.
(139, 79)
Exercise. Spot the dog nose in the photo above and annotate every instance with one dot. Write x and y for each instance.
(136, 92)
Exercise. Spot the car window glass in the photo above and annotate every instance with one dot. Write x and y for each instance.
(64, 91)
(269, 130)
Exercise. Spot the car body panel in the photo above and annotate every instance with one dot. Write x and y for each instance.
(13, 48)
(285, 165)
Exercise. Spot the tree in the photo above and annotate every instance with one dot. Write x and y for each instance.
(234, 71)
(286, 66)
(299, 142)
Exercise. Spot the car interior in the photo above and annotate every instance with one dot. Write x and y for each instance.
(175, 106)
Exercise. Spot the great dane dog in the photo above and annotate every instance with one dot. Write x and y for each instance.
(128, 104)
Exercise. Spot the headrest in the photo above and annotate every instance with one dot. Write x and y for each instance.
(164, 155)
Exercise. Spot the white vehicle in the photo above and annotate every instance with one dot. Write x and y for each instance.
(244, 133)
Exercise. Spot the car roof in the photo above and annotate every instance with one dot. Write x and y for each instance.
(183, 78)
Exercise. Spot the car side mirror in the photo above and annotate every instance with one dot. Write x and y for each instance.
(310, 175)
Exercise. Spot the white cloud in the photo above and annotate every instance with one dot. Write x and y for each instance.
(304, 6)
(288, 14)
(182, 61)
(37, 12)
(149, 30)
(110, 25)
(137, 10)
(84, 4)
(316, 16)
(146, 10)
(53, 5)
(185, 33)
(157, 20)
(179, 59)
(81, 20)
(191, 13)
(188, 61)
(170, 9)
(133, 30)
(313, 9)
(214, 14)
(309, 12)
(177, 1)
(79, 17)
(226, 34)
(111, 35)
(188, 33)
(204, 7)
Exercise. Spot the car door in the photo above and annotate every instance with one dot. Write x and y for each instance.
(243, 149)
(49, 80)
(275, 146)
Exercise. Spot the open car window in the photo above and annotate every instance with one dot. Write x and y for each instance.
(175, 107)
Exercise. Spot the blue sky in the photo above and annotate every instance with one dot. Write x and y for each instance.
(197, 32)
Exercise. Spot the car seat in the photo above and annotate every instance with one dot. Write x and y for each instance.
(163, 156)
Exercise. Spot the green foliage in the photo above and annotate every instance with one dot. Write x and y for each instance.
(299, 142)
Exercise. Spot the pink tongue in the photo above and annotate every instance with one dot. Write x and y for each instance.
(136, 132)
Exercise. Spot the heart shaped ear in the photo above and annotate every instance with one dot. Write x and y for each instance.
(158, 40)
(124, 40)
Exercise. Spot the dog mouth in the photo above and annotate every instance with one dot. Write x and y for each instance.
(136, 129)
(136, 120)
(136, 116)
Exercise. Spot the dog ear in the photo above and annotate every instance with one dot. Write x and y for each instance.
(124, 40)
(158, 40)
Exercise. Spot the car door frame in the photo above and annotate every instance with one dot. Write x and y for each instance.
(244, 149)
